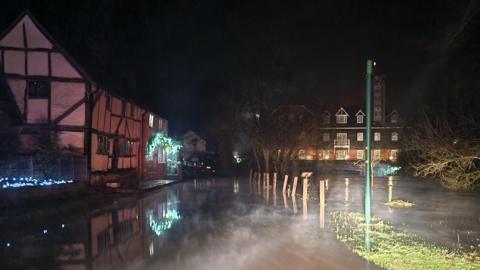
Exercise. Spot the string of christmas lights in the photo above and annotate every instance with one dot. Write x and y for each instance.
(14, 182)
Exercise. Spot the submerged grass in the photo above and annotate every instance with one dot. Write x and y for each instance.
(397, 250)
(399, 204)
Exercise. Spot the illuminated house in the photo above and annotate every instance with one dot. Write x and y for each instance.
(341, 131)
(52, 93)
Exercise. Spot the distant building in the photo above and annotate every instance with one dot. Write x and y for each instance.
(341, 131)
(193, 144)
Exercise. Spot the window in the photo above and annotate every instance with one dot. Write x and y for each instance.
(326, 137)
(301, 154)
(108, 102)
(376, 154)
(393, 154)
(125, 147)
(102, 145)
(341, 154)
(360, 136)
(341, 119)
(38, 89)
(359, 119)
(326, 154)
(394, 118)
(394, 136)
(360, 154)
(160, 124)
(150, 120)
(376, 136)
(161, 156)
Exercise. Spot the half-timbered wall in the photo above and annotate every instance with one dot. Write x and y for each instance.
(47, 87)
(116, 123)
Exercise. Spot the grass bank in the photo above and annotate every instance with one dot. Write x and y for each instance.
(397, 250)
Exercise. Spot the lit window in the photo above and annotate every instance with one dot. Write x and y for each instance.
(38, 89)
(102, 145)
(301, 154)
(393, 154)
(377, 136)
(376, 154)
(394, 136)
(125, 147)
(341, 119)
(360, 154)
(150, 120)
(326, 154)
(160, 124)
(360, 136)
(359, 119)
(326, 137)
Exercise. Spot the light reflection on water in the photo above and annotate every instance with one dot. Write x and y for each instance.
(231, 224)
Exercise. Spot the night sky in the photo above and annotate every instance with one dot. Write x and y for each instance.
(179, 57)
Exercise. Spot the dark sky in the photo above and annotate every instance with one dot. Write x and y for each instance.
(181, 55)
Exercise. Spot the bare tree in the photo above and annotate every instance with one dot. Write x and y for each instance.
(447, 150)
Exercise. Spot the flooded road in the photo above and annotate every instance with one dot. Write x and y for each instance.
(226, 224)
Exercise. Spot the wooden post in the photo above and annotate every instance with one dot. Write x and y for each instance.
(294, 204)
(259, 181)
(294, 188)
(305, 198)
(322, 216)
(267, 180)
(285, 180)
(322, 193)
(305, 188)
(285, 202)
(326, 184)
(274, 182)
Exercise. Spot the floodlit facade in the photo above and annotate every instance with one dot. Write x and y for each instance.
(341, 132)
(52, 94)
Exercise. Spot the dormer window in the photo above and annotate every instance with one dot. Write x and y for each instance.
(360, 116)
(326, 117)
(341, 116)
(394, 117)
(359, 119)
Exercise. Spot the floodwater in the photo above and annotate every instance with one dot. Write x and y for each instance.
(225, 224)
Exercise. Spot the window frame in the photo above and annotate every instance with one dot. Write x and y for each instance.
(360, 138)
(375, 138)
(394, 136)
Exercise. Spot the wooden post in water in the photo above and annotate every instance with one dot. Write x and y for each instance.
(250, 176)
(305, 188)
(274, 182)
(285, 180)
(305, 197)
(322, 193)
(294, 188)
(259, 181)
(267, 178)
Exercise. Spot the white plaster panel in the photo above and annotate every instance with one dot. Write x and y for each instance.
(72, 138)
(18, 90)
(37, 111)
(14, 62)
(38, 63)
(64, 95)
(35, 38)
(14, 38)
(62, 68)
(76, 118)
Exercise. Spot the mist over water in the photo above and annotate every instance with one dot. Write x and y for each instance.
(231, 224)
